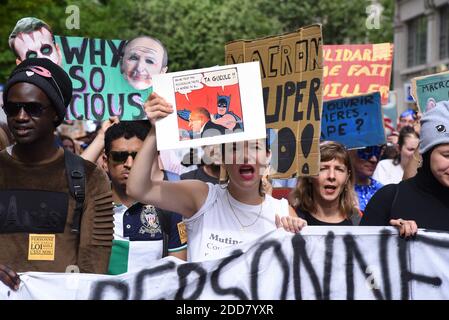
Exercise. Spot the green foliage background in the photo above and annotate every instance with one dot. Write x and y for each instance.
(195, 31)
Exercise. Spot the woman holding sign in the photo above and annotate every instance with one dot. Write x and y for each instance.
(216, 216)
(329, 199)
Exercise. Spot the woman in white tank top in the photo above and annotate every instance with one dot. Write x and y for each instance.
(216, 216)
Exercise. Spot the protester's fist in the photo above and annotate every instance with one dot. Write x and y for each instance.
(157, 108)
(407, 228)
(9, 277)
(107, 124)
(290, 224)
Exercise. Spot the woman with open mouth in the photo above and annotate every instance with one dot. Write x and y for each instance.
(329, 199)
(216, 216)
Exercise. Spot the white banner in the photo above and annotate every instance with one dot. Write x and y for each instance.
(318, 263)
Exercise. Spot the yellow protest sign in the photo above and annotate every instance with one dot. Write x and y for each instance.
(291, 67)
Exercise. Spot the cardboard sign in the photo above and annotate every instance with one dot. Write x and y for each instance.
(355, 122)
(292, 71)
(99, 87)
(429, 90)
(351, 70)
(212, 106)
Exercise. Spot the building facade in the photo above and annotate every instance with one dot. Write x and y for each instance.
(421, 43)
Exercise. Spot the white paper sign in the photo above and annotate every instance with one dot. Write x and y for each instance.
(212, 106)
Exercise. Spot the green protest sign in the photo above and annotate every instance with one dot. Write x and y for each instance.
(429, 90)
(100, 89)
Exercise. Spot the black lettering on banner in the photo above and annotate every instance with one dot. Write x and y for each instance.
(116, 52)
(276, 246)
(300, 255)
(306, 144)
(137, 105)
(369, 99)
(298, 115)
(72, 106)
(87, 106)
(302, 53)
(272, 52)
(286, 64)
(142, 275)
(313, 99)
(289, 90)
(101, 287)
(329, 254)
(73, 72)
(353, 253)
(116, 110)
(70, 53)
(383, 254)
(183, 271)
(239, 293)
(271, 118)
(93, 51)
(316, 44)
(359, 122)
(98, 115)
(286, 152)
(93, 72)
(230, 59)
(408, 276)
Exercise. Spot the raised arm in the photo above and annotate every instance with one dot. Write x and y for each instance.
(184, 197)
(93, 151)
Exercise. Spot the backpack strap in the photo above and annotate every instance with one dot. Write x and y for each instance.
(164, 220)
(77, 185)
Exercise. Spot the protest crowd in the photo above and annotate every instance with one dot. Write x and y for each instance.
(113, 201)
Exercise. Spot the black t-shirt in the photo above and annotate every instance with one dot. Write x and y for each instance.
(420, 198)
(312, 221)
(199, 174)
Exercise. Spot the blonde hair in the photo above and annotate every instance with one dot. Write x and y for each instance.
(303, 193)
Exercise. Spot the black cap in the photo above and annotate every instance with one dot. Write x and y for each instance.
(49, 77)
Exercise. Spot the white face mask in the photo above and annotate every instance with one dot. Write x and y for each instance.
(37, 44)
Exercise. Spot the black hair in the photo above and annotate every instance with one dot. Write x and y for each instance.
(127, 130)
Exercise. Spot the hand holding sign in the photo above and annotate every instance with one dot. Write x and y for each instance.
(157, 108)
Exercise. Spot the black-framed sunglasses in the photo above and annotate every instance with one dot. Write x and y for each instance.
(33, 109)
(122, 156)
(369, 152)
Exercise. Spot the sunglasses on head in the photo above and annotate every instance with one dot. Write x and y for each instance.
(122, 156)
(33, 109)
(368, 152)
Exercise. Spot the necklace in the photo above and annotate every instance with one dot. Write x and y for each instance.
(235, 215)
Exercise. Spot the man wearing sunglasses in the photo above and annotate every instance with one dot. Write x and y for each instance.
(364, 162)
(39, 230)
(142, 233)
